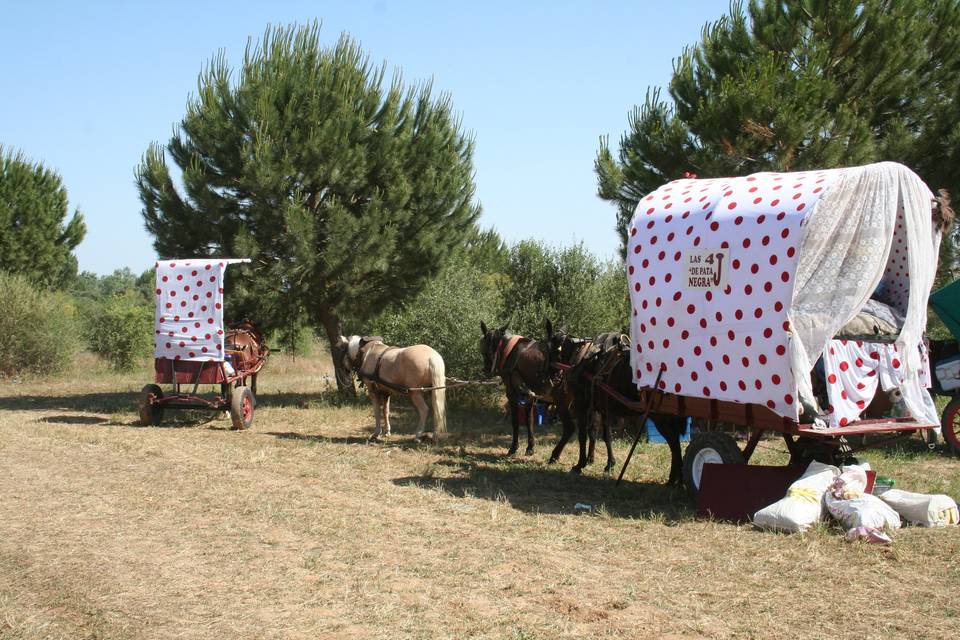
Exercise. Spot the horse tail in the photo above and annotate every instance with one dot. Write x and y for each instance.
(438, 378)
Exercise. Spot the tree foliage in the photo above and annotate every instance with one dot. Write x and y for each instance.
(569, 286)
(348, 191)
(796, 84)
(36, 239)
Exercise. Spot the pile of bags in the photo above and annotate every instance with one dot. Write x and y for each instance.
(824, 489)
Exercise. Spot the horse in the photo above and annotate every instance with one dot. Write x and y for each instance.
(522, 365)
(568, 351)
(606, 366)
(247, 347)
(386, 370)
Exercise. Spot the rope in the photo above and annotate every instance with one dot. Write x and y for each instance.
(456, 383)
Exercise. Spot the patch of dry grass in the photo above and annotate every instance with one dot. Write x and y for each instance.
(299, 529)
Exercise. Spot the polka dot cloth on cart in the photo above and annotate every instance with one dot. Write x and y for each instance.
(854, 369)
(710, 265)
(189, 316)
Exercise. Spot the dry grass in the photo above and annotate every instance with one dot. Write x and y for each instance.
(298, 529)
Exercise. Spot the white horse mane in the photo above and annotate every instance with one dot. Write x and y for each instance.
(353, 347)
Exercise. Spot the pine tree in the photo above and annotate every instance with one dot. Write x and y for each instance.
(797, 84)
(35, 240)
(348, 192)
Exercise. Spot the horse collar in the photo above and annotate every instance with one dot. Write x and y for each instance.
(503, 353)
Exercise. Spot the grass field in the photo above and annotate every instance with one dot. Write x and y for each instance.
(299, 529)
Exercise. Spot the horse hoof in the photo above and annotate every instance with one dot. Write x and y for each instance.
(510, 453)
(552, 461)
(610, 468)
(529, 452)
(576, 471)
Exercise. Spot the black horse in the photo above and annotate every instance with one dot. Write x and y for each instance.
(606, 366)
(522, 364)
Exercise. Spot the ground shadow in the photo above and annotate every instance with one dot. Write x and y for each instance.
(75, 420)
(113, 402)
(554, 490)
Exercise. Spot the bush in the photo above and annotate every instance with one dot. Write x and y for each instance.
(120, 330)
(446, 315)
(569, 286)
(38, 329)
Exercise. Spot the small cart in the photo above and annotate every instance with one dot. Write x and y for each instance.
(193, 348)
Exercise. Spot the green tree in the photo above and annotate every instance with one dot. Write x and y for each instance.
(798, 84)
(349, 192)
(569, 286)
(36, 240)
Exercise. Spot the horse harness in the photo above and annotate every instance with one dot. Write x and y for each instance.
(502, 365)
(366, 343)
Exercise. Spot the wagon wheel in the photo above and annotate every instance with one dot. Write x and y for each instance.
(950, 421)
(241, 408)
(707, 447)
(151, 413)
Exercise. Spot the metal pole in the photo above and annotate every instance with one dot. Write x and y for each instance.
(643, 425)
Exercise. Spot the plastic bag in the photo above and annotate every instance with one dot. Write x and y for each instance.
(926, 510)
(803, 504)
(846, 501)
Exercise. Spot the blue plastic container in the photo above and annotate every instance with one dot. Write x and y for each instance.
(654, 436)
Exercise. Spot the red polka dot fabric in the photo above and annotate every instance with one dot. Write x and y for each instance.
(189, 317)
(896, 276)
(711, 266)
(854, 369)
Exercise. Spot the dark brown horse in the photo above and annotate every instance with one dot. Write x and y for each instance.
(522, 364)
(604, 368)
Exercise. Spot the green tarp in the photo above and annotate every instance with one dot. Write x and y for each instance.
(946, 302)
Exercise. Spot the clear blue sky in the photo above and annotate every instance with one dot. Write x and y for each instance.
(88, 86)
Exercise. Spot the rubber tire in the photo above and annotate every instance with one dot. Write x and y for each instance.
(150, 414)
(241, 408)
(721, 444)
(950, 421)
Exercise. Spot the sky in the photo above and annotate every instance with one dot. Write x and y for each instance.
(87, 86)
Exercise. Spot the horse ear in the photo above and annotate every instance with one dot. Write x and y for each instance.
(548, 327)
(483, 327)
(503, 329)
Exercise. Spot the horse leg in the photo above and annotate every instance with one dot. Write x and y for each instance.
(422, 411)
(592, 445)
(530, 418)
(386, 413)
(671, 434)
(608, 440)
(375, 399)
(514, 422)
(563, 408)
(583, 426)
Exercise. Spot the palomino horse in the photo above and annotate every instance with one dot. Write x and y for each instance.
(522, 365)
(387, 370)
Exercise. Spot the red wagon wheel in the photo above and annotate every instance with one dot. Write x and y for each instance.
(950, 421)
(241, 408)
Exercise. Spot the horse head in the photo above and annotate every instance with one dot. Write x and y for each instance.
(490, 343)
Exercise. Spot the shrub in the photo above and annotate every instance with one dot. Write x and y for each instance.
(38, 329)
(120, 330)
(446, 315)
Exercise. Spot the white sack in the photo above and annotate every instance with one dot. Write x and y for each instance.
(803, 504)
(926, 510)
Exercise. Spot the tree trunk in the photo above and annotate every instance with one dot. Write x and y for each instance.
(331, 324)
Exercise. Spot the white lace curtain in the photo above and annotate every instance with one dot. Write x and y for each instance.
(843, 254)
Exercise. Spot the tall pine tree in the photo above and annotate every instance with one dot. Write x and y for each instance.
(347, 191)
(36, 240)
(796, 84)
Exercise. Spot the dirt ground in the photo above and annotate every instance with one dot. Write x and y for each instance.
(299, 529)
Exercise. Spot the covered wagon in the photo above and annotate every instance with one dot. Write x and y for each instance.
(784, 302)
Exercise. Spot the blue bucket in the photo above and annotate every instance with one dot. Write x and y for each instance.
(654, 436)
